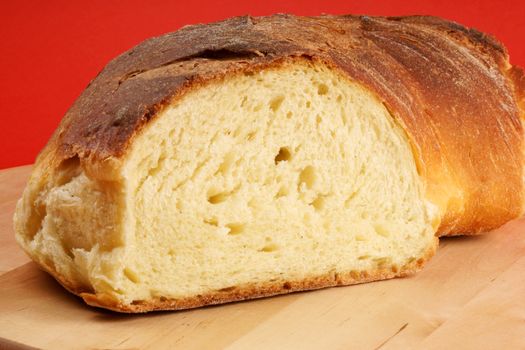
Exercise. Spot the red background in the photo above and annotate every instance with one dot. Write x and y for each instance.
(50, 50)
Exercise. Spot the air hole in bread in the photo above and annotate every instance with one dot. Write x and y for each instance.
(217, 198)
(283, 192)
(68, 251)
(131, 275)
(318, 202)
(251, 136)
(349, 199)
(307, 177)
(381, 230)
(68, 169)
(235, 228)
(322, 89)
(244, 100)
(212, 222)
(382, 261)
(283, 155)
(272, 247)
(276, 102)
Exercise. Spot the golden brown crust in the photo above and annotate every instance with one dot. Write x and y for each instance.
(450, 87)
(517, 77)
(252, 291)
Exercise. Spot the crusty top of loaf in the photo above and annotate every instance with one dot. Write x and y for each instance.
(451, 88)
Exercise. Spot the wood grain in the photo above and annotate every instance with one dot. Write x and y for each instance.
(470, 296)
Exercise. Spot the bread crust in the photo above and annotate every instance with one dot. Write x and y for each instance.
(451, 89)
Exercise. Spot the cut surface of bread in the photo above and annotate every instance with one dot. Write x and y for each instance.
(265, 155)
(283, 175)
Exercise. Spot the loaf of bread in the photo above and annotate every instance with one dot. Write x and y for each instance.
(261, 156)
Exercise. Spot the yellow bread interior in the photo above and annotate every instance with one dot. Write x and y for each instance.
(289, 173)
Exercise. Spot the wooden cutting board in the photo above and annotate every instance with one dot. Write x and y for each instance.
(470, 296)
